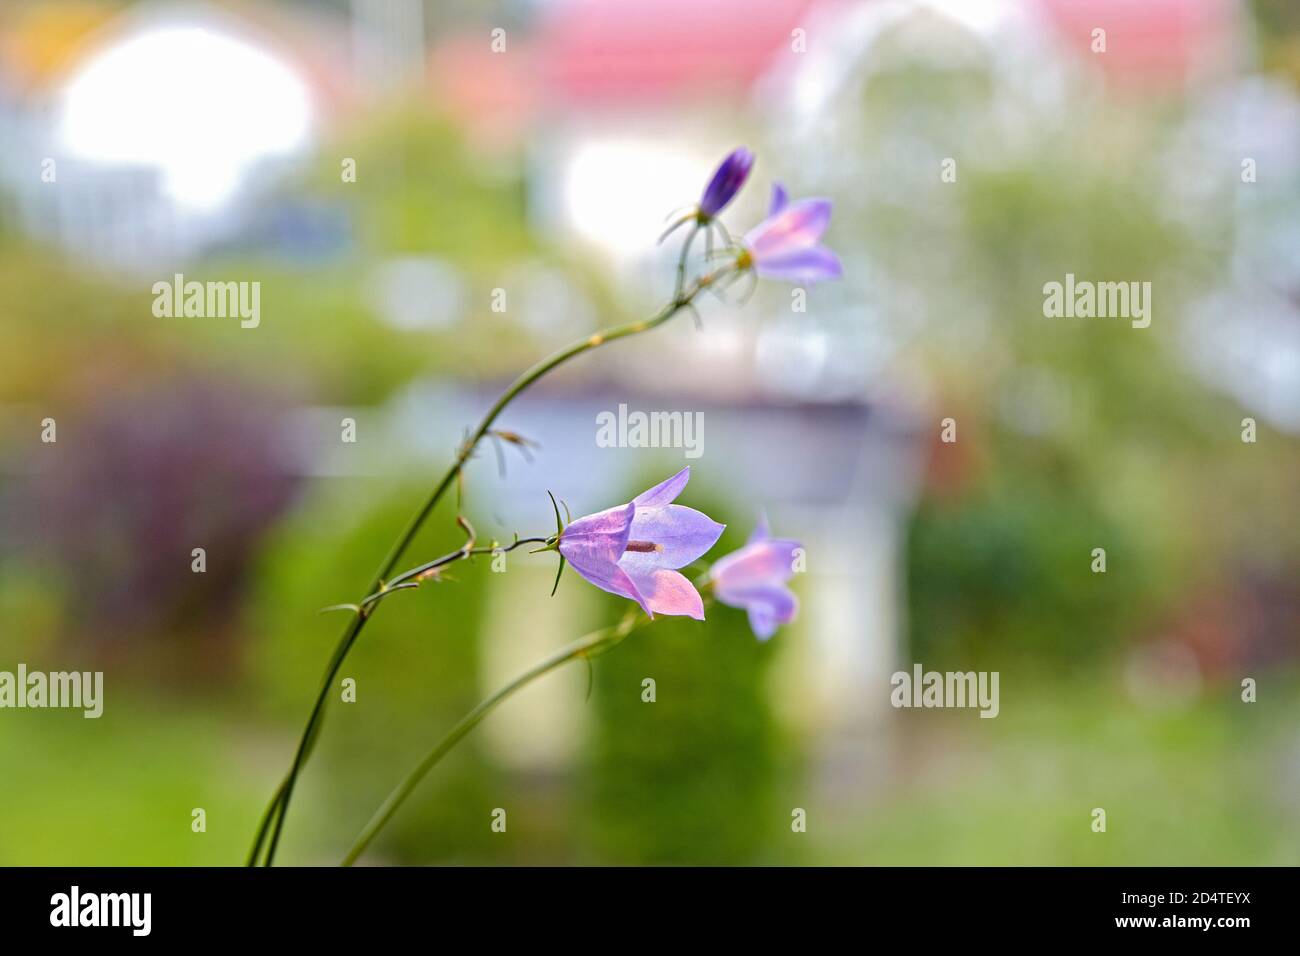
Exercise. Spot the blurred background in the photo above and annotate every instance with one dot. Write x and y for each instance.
(535, 148)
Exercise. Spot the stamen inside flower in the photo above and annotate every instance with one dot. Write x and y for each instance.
(744, 260)
(644, 546)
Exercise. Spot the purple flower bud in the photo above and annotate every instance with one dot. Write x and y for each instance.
(634, 550)
(754, 578)
(786, 245)
(726, 182)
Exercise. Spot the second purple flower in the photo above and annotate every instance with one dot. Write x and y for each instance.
(754, 579)
(787, 244)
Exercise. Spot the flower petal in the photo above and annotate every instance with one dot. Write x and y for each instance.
(780, 199)
(615, 580)
(681, 535)
(768, 609)
(760, 532)
(809, 264)
(665, 492)
(668, 592)
(799, 224)
(765, 564)
(598, 541)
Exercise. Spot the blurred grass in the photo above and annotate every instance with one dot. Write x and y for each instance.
(1207, 785)
(119, 790)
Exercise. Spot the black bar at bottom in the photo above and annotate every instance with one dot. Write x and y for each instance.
(467, 904)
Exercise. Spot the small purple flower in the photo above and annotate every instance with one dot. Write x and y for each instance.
(634, 550)
(726, 182)
(754, 578)
(786, 244)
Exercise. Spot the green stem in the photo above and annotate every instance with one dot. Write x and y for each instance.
(596, 641)
(267, 816)
(275, 819)
(422, 569)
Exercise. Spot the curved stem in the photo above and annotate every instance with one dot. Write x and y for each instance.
(275, 818)
(583, 647)
(267, 816)
(421, 570)
(683, 256)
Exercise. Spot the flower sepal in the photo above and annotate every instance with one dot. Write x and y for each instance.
(553, 542)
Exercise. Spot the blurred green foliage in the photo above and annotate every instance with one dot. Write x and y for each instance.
(1006, 571)
(691, 777)
(1073, 434)
(416, 668)
(71, 327)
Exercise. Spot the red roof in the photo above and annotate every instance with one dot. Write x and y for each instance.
(1151, 42)
(627, 50)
